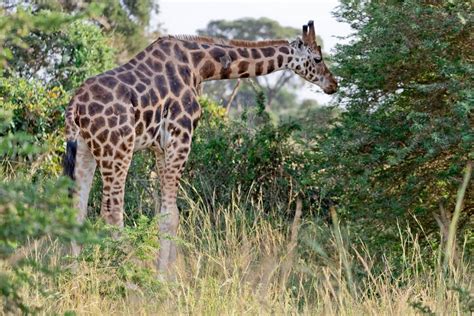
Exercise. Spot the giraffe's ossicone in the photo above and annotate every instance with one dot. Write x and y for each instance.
(151, 102)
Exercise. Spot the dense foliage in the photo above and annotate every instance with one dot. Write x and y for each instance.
(398, 152)
(126, 22)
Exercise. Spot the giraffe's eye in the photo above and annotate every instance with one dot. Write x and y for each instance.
(317, 60)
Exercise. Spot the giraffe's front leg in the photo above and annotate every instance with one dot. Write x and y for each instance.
(170, 166)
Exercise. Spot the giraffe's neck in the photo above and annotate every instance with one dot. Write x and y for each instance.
(191, 60)
(216, 62)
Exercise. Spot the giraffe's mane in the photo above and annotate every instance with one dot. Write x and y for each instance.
(223, 41)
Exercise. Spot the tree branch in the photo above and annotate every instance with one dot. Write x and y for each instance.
(232, 96)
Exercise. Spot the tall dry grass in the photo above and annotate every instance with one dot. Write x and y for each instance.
(231, 265)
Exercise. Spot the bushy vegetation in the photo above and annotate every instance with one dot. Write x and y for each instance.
(364, 207)
(406, 135)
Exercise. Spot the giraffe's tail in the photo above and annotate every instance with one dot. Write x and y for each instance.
(72, 132)
(69, 162)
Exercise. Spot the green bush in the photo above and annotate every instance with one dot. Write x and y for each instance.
(37, 112)
(35, 88)
(64, 53)
(266, 161)
(397, 153)
(37, 92)
(29, 212)
(126, 256)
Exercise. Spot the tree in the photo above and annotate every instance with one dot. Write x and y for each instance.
(397, 153)
(126, 22)
(249, 29)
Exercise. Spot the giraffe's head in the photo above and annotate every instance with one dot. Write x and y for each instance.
(308, 61)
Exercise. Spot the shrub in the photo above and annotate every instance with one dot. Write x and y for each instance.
(29, 212)
(261, 158)
(397, 153)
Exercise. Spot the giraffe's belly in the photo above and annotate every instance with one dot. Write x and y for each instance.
(148, 131)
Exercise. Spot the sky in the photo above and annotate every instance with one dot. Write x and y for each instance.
(186, 16)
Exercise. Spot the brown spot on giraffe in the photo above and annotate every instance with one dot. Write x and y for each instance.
(243, 52)
(197, 57)
(148, 116)
(217, 53)
(259, 68)
(191, 45)
(140, 87)
(146, 69)
(173, 79)
(162, 85)
(243, 66)
(280, 61)
(96, 125)
(207, 70)
(84, 122)
(157, 53)
(271, 66)
(232, 55)
(112, 121)
(255, 53)
(179, 54)
(166, 47)
(185, 122)
(101, 94)
(185, 74)
(154, 65)
(145, 100)
(84, 97)
(226, 72)
(108, 81)
(102, 137)
(128, 78)
(284, 50)
(140, 55)
(268, 51)
(175, 109)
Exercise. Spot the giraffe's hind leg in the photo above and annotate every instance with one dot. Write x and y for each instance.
(83, 176)
(113, 166)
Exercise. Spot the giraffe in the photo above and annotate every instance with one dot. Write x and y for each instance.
(152, 102)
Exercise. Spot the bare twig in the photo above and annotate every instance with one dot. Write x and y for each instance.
(232, 96)
(285, 269)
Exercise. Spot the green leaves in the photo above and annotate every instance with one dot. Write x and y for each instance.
(258, 157)
(406, 84)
